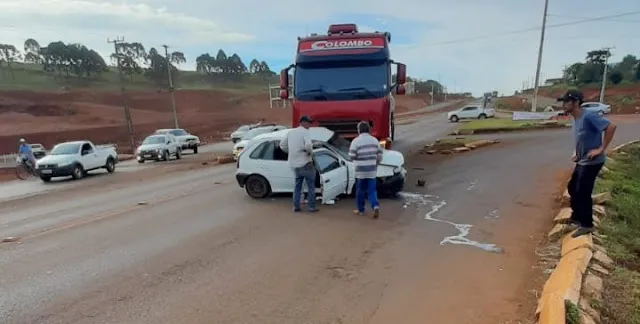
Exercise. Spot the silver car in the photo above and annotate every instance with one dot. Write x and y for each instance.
(597, 107)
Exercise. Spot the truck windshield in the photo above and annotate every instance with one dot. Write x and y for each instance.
(65, 149)
(341, 81)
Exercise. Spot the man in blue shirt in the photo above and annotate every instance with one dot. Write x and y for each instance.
(589, 155)
(25, 153)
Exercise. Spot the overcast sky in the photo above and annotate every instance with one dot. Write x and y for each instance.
(267, 30)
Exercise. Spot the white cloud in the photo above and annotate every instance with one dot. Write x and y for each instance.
(258, 28)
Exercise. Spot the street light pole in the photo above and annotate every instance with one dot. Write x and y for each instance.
(534, 104)
(173, 98)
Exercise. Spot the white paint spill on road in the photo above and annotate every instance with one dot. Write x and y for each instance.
(493, 214)
(435, 204)
(472, 185)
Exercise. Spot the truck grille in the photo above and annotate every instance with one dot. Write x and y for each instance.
(348, 126)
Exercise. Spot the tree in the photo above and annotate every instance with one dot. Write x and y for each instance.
(572, 73)
(130, 56)
(177, 58)
(9, 54)
(32, 51)
(157, 70)
(616, 77)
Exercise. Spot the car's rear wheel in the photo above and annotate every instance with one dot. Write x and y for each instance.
(454, 119)
(257, 186)
(140, 161)
(482, 116)
(110, 165)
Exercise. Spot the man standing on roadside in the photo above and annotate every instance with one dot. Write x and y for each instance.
(366, 153)
(300, 150)
(589, 155)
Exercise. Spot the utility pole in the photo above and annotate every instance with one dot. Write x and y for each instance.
(604, 72)
(127, 113)
(534, 104)
(173, 98)
(432, 92)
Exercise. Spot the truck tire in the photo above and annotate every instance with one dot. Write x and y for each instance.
(110, 165)
(77, 172)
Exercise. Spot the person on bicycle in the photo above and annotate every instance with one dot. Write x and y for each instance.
(26, 154)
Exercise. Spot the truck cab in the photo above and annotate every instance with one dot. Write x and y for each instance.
(345, 77)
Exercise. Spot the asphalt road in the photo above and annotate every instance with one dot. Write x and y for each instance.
(191, 247)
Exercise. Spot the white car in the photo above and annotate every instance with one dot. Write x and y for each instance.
(597, 107)
(187, 141)
(159, 147)
(238, 134)
(38, 150)
(262, 167)
(471, 112)
(253, 132)
(75, 159)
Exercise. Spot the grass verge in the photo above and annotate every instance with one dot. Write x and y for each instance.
(494, 125)
(621, 299)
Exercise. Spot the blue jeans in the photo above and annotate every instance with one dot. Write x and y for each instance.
(307, 174)
(366, 189)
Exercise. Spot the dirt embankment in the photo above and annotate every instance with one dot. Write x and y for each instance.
(51, 117)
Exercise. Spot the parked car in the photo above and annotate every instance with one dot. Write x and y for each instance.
(597, 107)
(253, 132)
(471, 112)
(38, 150)
(160, 147)
(187, 141)
(75, 159)
(262, 167)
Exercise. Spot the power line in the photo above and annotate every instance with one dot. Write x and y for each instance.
(526, 30)
(583, 17)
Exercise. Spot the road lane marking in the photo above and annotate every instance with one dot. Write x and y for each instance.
(436, 204)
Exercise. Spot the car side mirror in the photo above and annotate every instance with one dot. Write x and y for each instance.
(343, 163)
(84, 152)
(168, 142)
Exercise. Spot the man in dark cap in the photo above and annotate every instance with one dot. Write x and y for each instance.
(589, 155)
(297, 144)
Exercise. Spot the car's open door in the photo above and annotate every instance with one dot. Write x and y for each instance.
(333, 174)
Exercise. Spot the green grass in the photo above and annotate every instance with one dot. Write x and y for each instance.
(502, 124)
(622, 237)
(32, 77)
(572, 315)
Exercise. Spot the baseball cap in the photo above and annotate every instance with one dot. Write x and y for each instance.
(306, 119)
(572, 95)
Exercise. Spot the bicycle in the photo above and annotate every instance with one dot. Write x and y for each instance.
(24, 171)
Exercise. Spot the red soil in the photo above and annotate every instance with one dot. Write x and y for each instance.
(52, 117)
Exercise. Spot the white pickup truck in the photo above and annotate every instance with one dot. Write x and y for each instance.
(76, 159)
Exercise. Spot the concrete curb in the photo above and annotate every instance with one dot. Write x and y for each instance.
(577, 277)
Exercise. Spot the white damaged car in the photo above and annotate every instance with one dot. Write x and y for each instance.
(262, 167)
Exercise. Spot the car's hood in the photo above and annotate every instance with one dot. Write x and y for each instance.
(238, 134)
(392, 158)
(56, 159)
(149, 147)
(187, 137)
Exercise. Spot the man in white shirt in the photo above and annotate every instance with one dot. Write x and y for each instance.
(300, 150)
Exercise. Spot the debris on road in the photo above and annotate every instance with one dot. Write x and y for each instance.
(10, 239)
(455, 145)
(421, 183)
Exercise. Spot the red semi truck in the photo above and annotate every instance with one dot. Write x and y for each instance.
(345, 77)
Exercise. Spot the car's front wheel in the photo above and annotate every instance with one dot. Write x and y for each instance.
(77, 172)
(195, 149)
(257, 186)
(454, 119)
(110, 165)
